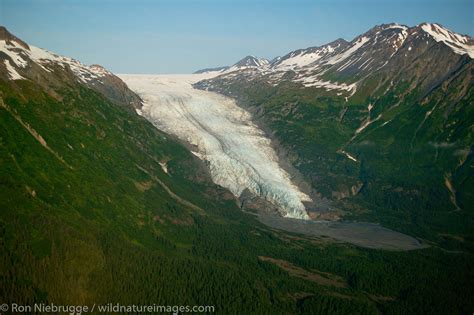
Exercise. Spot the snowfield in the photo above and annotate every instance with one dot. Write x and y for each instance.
(239, 154)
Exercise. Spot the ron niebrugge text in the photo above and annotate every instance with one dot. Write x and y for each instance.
(106, 308)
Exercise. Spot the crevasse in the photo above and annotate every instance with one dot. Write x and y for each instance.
(238, 152)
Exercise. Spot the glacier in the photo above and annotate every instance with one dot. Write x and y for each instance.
(238, 153)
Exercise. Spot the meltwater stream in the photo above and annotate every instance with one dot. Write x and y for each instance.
(239, 154)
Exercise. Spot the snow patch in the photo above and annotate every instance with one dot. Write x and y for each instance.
(164, 167)
(303, 58)
(397, 26)
(386, 122)
(350, 157)
(367, 123)
(14, 75)
(315, 81)
(14, 52)
(346, 54)
(458, 43)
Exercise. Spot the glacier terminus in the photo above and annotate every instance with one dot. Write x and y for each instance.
(237, 151)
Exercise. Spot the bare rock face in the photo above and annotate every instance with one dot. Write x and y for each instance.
(9, 38)
(114, 88)
(356, 188)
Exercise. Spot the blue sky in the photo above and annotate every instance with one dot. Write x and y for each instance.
(182, 36)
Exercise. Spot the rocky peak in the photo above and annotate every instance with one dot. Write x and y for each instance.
(251, 61)
(9, 38)
(460, 44)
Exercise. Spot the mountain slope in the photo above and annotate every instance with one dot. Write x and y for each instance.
(19, 60)
(379, 125)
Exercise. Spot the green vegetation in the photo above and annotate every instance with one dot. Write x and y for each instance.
(414, 160)
(85, 218)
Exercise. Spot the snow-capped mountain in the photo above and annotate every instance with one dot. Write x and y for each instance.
(460, 44)
(20, 61)
(247, 63)
(342, 65)
(394, 105)
(304, 57)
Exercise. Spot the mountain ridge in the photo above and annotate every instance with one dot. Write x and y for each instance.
(364, 122)
(20, 61)
(430, 28)
(342, 66)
